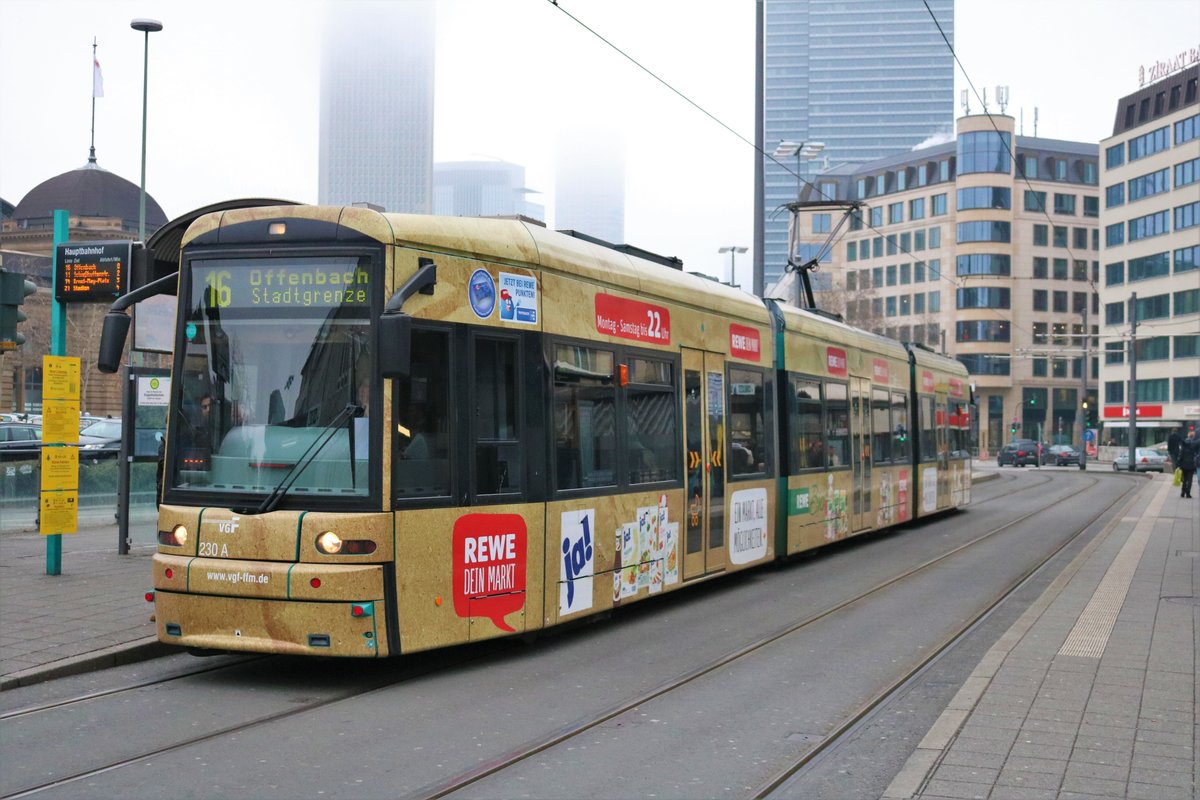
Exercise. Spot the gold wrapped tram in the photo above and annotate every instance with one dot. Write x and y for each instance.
(391, 432)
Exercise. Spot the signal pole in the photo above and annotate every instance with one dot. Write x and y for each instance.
(1133, 382)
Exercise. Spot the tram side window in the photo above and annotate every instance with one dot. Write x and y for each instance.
(806, 450)
(422, 446)
(928, 430)
(881, 428)
(900, 427)
(652, 451)
(837, 425)
(747, 425)
(959, 430)
(585, 442)
(498, 464)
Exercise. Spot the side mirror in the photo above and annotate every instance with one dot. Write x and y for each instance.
(395, 345)
(112, 340)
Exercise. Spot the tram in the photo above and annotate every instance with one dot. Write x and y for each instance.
(389, 433)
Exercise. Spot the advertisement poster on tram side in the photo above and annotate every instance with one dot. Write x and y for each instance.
(578, 561)
(748, 525)
(488, 552)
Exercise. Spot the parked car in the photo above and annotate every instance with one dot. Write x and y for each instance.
(1062, 455)
(20, 440)
(1147, 460)
(1018, 453)
(100, 441)
(85, 420)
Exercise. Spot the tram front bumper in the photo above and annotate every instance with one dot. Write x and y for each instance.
(272, 608)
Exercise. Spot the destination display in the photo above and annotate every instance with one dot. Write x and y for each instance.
(91, 270)
(327, 284)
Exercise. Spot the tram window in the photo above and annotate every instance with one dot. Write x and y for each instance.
(928, 430)
(498, 465)
(652, 451)
(421, 467)
(837, 425)
(881, 428)
(900, 427)
(806, 449)
(747, 422)
(584, 417)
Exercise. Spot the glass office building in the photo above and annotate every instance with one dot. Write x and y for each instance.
(868, 78)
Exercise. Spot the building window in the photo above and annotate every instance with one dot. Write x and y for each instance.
(1148, 144)
(935, 302)
(984, 151)
(1156, 348)
(1039, 333)
(1149, 226)
(905, 274)
(851, 251)
(982, 331)
(984, 231)
(877, 217)
(1153, 390)
(1146, 267)
(1041, 300)
(1114, 195)
(1091, 206)
(984, 197)
(905, 305)
(1114, 392)
(1114, 234)
(1039, 368)
(1079, 270)
(1035, 201)
(1041, 235)
(1114, 313)
(1187, 258)
(1187, 389)
(937, 205)
(1080, 237)
(983, 264)
(891, 275)
(877, 277)
(919, 240)
(1187, 129)
(984, 297)
(1060, 236)
(985, 364)
(1114, 156)
(891, 244)
(895, 213)
(1041, 269)
(864, 249)
(1187, 173)
(919, 272)
(1060, 269)
(1064, 204)
(1114, 274)
(935, 238)
(1060, 169)
(821, 223)
(918, 303)
(891, 306)
(1149, 184)
(1060, 302)
(1187, 302)
(1187, 346)
(935, 269)
(1156, 307)
(916, 208)
(1187, 216)
(877, 247)
(1114, 353)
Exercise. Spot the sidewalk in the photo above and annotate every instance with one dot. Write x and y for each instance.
(93, 615)
(1092, 692)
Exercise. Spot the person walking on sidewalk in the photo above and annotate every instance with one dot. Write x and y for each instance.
(1173, 442)
(1189, 455)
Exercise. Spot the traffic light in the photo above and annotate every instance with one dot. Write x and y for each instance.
(1013, 429)
(14, 288)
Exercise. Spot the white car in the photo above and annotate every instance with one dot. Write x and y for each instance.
(1147, 460)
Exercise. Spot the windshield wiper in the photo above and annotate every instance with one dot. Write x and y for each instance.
(276, 495)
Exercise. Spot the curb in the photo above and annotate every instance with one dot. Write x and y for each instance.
(115, 656)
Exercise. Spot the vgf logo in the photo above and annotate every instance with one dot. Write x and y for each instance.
(219, 293)
(227, 526)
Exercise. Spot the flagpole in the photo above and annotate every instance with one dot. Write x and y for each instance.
(92, 151)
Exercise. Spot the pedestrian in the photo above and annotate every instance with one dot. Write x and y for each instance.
(1189, 455)
(1173, 441)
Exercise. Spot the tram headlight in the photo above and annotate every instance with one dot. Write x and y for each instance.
(176, 537)
(329, 543)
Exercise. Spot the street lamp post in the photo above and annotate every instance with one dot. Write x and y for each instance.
(802, 151)
(733, 250)
(146, 26)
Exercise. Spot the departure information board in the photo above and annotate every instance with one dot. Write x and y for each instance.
(91, 270)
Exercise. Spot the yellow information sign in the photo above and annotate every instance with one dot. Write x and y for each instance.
(60, 421)
(60, 378)
(60, 468)
(59, 512)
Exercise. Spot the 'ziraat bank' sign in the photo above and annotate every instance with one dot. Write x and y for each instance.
(1161, 69)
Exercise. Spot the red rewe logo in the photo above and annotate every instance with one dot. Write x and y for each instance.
(880, 371)
(835, 361)
(744, 342)
(489, 566)
(927, 384)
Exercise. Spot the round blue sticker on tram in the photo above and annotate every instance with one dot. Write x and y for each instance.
(482, 292)
(190, 331)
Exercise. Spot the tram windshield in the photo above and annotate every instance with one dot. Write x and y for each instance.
(274, 351)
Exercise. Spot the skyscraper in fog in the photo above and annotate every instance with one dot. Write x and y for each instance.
(483, 189)
(589, 186)
(377, 65)
(868, 78)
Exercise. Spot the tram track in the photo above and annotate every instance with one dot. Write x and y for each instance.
(439, 660)
(825, 745)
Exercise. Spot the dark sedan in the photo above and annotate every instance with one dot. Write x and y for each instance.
(100, 441)
(1018, 453)
(20, 440)
(1062, 455)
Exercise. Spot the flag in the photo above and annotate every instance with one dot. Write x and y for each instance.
(97, 79)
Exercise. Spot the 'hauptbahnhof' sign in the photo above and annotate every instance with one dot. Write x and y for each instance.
(91, 270)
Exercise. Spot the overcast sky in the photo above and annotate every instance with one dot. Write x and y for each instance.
(234, 93)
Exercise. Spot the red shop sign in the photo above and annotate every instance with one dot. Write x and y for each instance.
(835, 361)
(744, 342)
(1122, 412)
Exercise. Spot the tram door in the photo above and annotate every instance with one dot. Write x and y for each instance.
(860, 446)
(704, 435)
